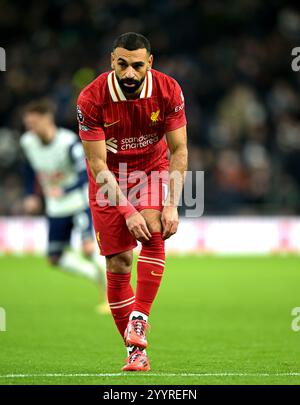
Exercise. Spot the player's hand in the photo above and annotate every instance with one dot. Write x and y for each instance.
(55, 192)
(32, 205)
(169, 220)
(137, 227)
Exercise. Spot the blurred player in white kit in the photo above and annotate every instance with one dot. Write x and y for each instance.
(56, 161)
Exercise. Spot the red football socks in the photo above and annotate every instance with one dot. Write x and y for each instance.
(150, 267)
(121, 298)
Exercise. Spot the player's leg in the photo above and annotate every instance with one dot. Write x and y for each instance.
(88, 250)
(150, 264)
(83, 222)
(59, 235)
(116, 244)
(121, 300)
(150, 267)
(91, 252)
(119, 290)
(151, 261)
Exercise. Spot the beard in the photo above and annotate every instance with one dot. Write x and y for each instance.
(130, 89)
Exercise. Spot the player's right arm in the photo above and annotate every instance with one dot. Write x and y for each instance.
(93, 140)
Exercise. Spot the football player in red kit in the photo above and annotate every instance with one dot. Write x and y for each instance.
(128, 120)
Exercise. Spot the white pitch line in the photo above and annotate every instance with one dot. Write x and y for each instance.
(51, 375)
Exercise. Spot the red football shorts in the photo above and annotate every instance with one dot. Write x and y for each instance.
(110, 226)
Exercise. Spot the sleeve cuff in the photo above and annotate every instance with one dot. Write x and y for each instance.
(91, 136)
(172, 125)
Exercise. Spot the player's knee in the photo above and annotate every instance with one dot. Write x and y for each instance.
(119, 263)
(154, 226)
(153, 220)
(54, 259)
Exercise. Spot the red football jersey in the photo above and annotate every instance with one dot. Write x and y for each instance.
(133, 129)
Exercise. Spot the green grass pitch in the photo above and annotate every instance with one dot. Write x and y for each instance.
(215, 321)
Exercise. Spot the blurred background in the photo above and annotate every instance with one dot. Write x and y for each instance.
(232, 59)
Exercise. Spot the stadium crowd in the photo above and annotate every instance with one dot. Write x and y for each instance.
(232, 59)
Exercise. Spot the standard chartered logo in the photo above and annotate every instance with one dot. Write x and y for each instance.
(133, 142)
(2, 60)
(2, 320)
(142, 141)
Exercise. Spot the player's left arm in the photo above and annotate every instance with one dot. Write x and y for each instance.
(177, 144)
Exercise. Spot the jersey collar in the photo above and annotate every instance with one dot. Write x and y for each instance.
(116, 91)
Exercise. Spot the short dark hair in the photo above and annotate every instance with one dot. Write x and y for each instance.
(41, 106)
(132, 41)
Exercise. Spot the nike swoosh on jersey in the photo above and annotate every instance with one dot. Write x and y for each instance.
(106, 124)
(156, 274)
